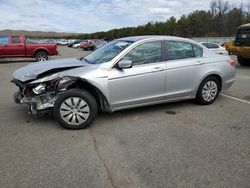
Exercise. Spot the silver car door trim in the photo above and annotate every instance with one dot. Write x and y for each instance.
(199, 62)
(157, 69)
(148, 72)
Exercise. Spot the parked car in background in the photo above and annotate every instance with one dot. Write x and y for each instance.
(215, 48)
(126, 73)
(16, 46)
(77, 45)
(241, 45)
(87, 45)
(92, 44)
(62, 42)
(100, 44)
(70, 44)
(223, 44)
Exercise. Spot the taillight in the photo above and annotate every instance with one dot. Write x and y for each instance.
(231, 62)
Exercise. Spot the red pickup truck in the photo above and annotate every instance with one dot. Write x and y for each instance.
(16, 46)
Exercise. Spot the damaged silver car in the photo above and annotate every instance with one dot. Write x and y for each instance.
(125, 73)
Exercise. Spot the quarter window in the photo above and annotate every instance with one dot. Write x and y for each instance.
(198, 51)
(179, 50)
(4, 40)
(149, 52)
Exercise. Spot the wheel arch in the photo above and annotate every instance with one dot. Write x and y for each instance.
(218, 77)
(214, 74)
(75, 82)
(37, 50)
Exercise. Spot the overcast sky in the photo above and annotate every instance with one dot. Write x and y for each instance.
(86, 16)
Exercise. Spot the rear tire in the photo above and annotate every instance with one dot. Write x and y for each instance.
(243, 61)
(208, 91)
(75, 109)
(41, 56)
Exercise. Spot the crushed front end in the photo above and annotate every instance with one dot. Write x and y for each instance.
(40, 97)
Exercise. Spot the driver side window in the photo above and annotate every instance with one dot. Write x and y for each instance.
(149, 52)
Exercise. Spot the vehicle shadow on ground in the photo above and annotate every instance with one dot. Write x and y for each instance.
(8, 61)
(171, 108)
(242, 67)
(47, 120)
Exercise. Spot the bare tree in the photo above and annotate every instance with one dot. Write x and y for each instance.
(248, 9)
(222, 7)
(219, 7)
(213, 8)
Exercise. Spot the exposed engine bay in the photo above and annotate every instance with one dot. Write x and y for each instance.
(41, 96)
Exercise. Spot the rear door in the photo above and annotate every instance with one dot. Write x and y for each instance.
(16, 46)
(184, 68)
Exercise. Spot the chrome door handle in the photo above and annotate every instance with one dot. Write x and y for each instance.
(155, 69)
(199, 63)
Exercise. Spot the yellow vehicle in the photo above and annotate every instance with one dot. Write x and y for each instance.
(241, 45)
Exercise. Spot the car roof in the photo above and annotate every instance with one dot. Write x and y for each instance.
(209, 43)
(160, 37)
(247, 26)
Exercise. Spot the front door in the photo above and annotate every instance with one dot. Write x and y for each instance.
(144, 82)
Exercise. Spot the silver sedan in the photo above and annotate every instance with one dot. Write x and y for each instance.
(125, 73)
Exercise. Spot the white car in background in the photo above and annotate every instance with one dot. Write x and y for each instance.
(77, 45)
(215, 48)
(62, 42)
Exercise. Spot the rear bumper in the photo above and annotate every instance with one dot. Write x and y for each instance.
(243, 51)
(227, 84)
(55, 53)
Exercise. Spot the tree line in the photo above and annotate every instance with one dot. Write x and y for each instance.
(222, 19)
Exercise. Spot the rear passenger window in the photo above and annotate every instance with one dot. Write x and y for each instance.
(4, 40)
(179, 50)
(15, 39)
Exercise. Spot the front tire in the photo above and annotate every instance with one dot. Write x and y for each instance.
(41, 56)
(208, 91)
(75, 109)
(243, 61)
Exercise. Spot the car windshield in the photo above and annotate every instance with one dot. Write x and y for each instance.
(107, 52)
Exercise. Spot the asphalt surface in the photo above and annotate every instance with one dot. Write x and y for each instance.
(170, 145)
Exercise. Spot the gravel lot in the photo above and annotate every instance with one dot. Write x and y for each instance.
(171, 145)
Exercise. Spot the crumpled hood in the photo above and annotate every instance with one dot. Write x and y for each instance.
(33, 70)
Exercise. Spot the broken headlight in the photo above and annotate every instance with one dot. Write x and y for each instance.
(41, 88)
(48, 86)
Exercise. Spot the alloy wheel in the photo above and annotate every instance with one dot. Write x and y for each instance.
(42, 57)
(209, 91)
(74, 110)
